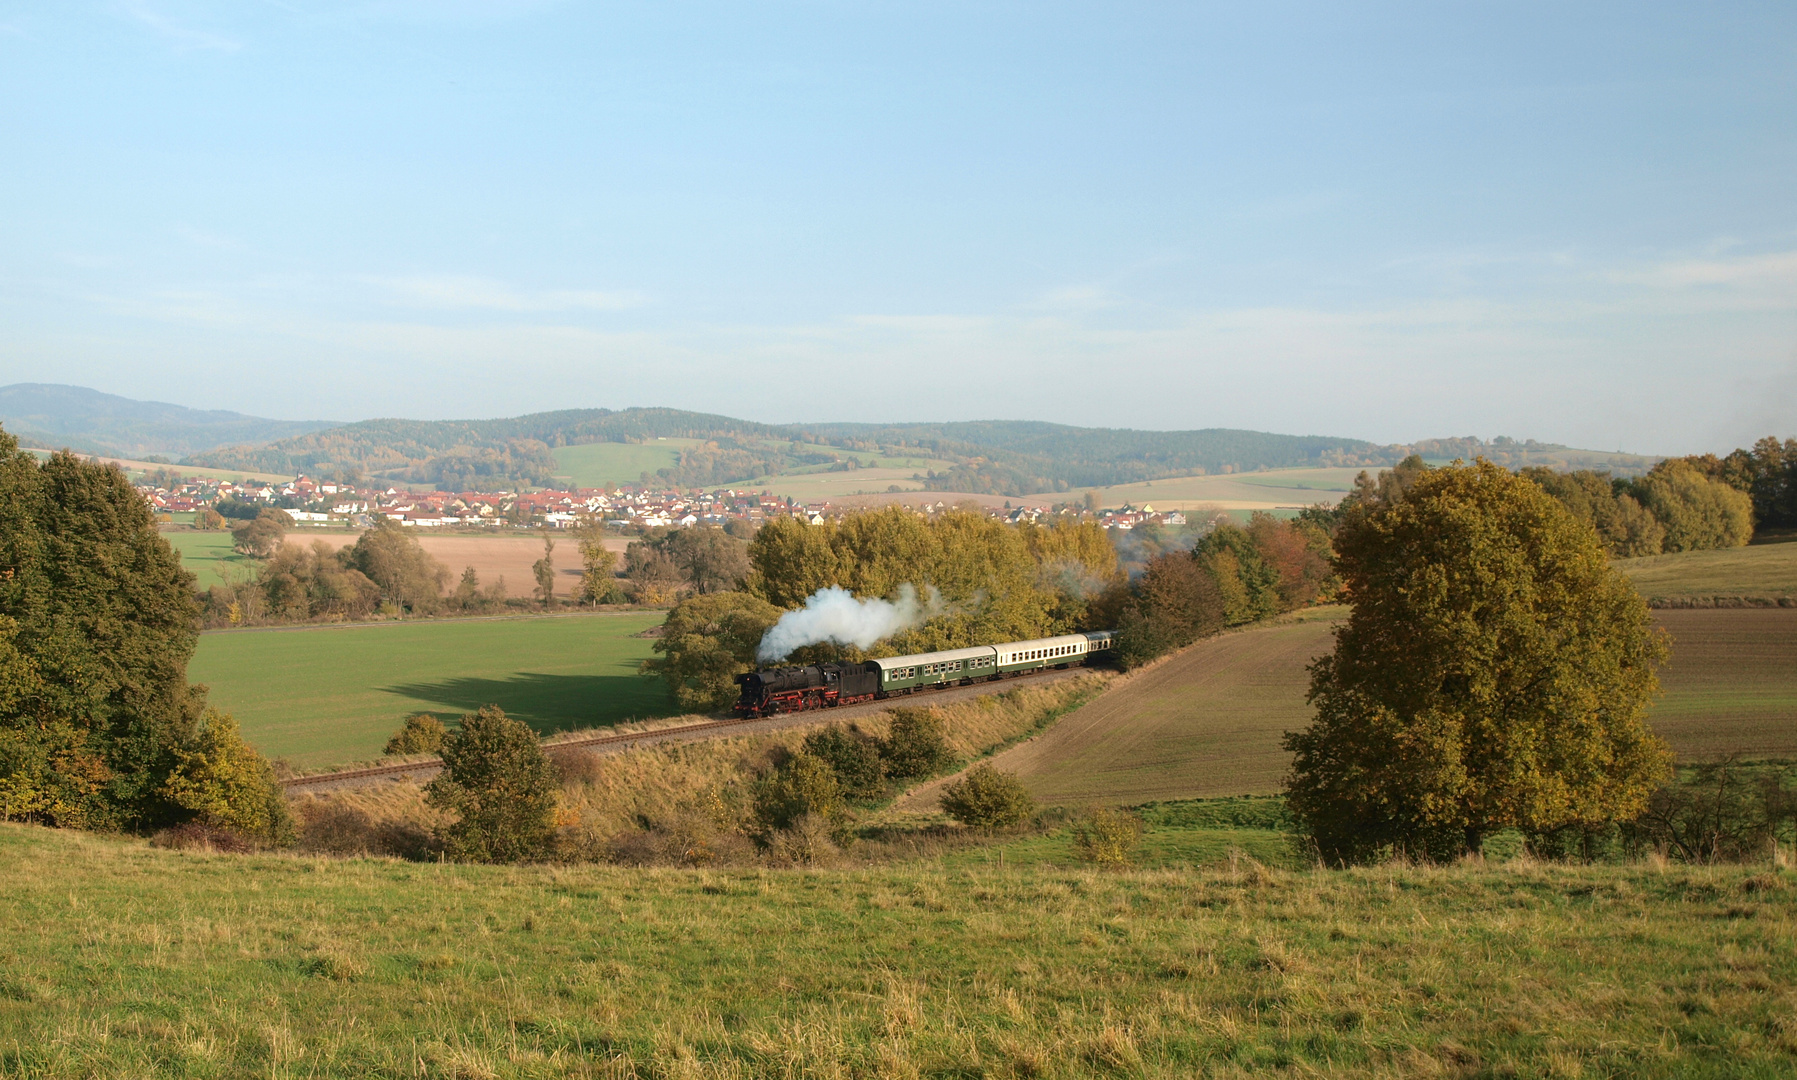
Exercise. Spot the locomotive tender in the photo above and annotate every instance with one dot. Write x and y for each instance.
(821, 686)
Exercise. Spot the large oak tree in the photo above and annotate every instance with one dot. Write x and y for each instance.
(1494, 672)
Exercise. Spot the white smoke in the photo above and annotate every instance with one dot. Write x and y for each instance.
(833, 614)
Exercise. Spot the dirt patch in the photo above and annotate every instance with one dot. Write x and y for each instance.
(504, 555)
(1732, 684)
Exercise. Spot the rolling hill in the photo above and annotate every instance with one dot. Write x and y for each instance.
(52, 417)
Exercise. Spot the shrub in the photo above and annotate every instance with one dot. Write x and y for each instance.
(803, 784)
(853, 757)
(988, 799)
(1107, 836)
(328, 827)
(228, 785)
(421, 733)
(808, 841)
(916, 744)
(1721, 812)
(501, 786)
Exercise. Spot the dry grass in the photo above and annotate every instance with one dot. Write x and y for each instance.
(1760, 570)
(609, 793)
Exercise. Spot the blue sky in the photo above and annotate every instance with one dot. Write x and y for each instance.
(1574, 222)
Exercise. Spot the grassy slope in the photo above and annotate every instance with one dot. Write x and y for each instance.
(1759, 570)
(122, 960)
(1258, 490)
(606, 463)
(320, 695)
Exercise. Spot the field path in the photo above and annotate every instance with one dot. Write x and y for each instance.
(1204, 722)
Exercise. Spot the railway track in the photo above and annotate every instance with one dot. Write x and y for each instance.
(656, 734)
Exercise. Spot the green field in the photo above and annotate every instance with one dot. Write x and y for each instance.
(330, 694)
(117, 959)
(1761, 570)
(603, 464)
(209, 556)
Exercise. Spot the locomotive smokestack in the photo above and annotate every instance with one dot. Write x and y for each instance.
(833, 614)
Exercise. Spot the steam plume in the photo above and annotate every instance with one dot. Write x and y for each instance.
(833, 614)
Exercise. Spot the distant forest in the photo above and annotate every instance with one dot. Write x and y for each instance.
(1011, 458)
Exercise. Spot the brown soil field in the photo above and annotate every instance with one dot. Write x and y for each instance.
(1732, 684)
(492, 557)
(1208, 721)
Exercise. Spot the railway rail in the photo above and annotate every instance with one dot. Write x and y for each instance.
(654, 734)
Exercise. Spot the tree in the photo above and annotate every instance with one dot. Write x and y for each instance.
(654, 577)
(421, 733)
(1175, 602)
(98, 621)
(261, 536)
(392, 558)
(706, 642)
(711, 559)
(853, 757)
(1698, 513)
(599, 564)
(1494, 671)
(803, 784)
(916, 744)
(467, 595)
(986, 798)
(228, 785)
(544, 571)
(501, 787)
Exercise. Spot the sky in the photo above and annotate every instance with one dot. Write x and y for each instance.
(1568, 222)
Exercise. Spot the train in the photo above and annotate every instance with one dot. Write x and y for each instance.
(824, 686)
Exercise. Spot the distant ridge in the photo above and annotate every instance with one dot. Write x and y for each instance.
(56, 416)
(989, 457)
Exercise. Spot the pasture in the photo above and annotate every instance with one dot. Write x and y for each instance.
(1268, 490)
(322, 695)
(1208, 721)
(210, 557)
(1758, 570)
(603, 464)
(124, 960)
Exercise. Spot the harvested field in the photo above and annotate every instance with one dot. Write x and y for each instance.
(1208, 721)
(1204, 722)
(509, 556)
(1759, 570)
(1732, 684)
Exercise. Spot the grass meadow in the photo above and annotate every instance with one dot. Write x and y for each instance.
(118, 959)
(210, 557)
(320, 695)
(1758, 570)
(603, 464)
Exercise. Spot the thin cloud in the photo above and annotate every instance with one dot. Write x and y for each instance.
(453, 292)
(185, 37)
(1776, 270)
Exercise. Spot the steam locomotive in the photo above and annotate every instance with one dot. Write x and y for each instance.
(822, 686)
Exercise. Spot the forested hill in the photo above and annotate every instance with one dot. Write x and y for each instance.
(457, 454)
(53, 416)
(1009, 457)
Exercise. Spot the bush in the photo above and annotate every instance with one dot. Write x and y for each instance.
(988, 799)
(498, 781)
(916, 744)
(853, 757)
(328, 827)
(803, 784)
(421, 733)
(1720, 812)
(1107, 837)
(228, 785)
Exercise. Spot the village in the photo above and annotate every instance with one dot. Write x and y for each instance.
(321, 503)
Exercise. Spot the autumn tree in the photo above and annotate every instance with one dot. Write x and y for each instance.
(261, 536)
(500, 786)
(544, 571)
(705, 643)
(1698, 513)
(406, 575)
(1494, 671)
(598, 564)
